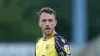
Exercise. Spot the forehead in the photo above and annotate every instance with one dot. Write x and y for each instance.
(47, 16)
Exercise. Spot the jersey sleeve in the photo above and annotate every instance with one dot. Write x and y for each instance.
(62, 46)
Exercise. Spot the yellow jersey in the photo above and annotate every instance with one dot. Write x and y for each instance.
(55, 46)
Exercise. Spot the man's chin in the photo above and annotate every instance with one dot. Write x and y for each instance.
(48, 33)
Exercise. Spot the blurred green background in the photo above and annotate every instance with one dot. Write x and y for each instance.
(93, 19)
(19, 19)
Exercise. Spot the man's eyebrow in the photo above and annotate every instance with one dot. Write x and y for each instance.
(49, 19)
(44, 19)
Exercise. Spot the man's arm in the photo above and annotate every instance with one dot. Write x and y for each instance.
(62, 46)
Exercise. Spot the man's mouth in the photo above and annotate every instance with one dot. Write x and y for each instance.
(47, 28)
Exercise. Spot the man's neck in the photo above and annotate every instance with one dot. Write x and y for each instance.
(46, 37)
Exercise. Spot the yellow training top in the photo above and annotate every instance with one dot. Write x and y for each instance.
(55, 46)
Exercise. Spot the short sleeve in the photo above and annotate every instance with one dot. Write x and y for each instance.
(62, 46)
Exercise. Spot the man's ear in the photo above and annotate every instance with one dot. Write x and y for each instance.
(55, 22)
(39, 23)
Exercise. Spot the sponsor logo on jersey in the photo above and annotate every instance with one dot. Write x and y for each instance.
(66, 47)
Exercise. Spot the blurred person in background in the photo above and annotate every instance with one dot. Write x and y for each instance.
(92, 49)
(51, 44)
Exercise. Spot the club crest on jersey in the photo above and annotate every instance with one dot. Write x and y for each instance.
(47, 46)
(66, 47)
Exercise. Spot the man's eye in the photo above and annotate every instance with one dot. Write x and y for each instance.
(44, 20)
(50, 20)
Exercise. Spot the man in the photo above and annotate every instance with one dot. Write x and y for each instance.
(51, 44)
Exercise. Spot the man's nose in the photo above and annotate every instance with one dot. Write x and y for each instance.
(47, 23)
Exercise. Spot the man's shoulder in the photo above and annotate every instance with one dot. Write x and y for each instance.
(59, 38)
(38, 40)
(61, 45)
